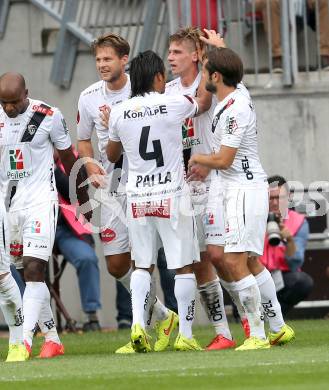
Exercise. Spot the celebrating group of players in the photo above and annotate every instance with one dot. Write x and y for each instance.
(210, 216)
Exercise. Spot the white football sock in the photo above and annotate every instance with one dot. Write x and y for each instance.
(213, 303)
(46, 321)
(35, 295)
(269, 300)
(159, 310)
(155, 306)
(230, 288)
(150, 304)
(185, 289)
(12, 308)
(125, 280)
(140, 285)
(250, 299)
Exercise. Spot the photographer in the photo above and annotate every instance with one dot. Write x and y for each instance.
(284, 257)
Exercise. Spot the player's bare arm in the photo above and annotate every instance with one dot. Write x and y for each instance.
(221, 160)
(204, 97)
(114, 151)
(94, 171)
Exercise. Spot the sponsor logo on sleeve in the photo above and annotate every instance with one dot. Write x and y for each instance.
(66, 130)
(231, 125)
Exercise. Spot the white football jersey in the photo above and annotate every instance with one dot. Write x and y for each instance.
(234, 125)
(27, 162)
(91, 102)
(150, 131)
(196, 132)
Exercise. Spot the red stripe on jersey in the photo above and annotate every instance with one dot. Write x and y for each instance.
(189, 98)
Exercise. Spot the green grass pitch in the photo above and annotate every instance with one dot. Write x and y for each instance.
(90, 363)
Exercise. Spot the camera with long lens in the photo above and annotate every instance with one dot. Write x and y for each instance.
(273, 229)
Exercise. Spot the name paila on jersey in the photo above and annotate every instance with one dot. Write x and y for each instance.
(152, 143)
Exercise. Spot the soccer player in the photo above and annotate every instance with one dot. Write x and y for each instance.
(29, 131)
(244, 180)
(148, 128)
(10, 297)
(280, 333)
(111, 53)
(197, 138)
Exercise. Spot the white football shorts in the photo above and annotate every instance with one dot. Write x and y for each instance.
(245, 216)
(114, 231)
(169, 223)
(32, 232)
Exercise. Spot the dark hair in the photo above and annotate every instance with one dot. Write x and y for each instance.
(119, 44)
(143, 68)
(279, 181)
(226, 62)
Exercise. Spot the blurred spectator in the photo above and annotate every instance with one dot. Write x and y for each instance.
(261, 6)
(167, 281)
(286, 259)
(76, 244)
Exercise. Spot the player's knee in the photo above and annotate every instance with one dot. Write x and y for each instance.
(34, 269)
(117, 265)
(215, 255)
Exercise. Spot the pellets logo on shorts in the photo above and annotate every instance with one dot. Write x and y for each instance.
(210, 219)
(160, 209)
(108, 235)
(36, 227)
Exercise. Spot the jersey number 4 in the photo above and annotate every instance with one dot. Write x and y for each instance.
(157, 150)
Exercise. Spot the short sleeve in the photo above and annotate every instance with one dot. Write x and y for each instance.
(185, 106)
(234, 124)
(85, 122)
(59, 133)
